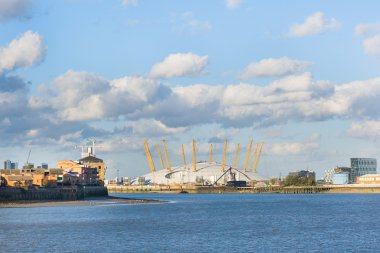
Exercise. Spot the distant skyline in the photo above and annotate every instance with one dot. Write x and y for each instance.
(301, 76)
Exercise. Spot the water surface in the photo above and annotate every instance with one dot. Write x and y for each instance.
(200, 223)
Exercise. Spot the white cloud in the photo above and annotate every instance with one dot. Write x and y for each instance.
(313, 25)
(367, 28)
(32, 133)
(203, 148)
(295, 148)
(83, 96)
(74, 96)
(289, 89)
(180, 64)
(88, 108)
(294, 98)
(195, 26)
(291, 98)
(24, 51)
(70, 139)
(13, 8)
(186, 23)
(274, 67)
(153, 128)
(185, 106)
(13, 104)
(198, 94)
(127, 3)
(356, 99)
(232, 4)
(140, 88)
(72, 87)
(372, 45)
(365, 130)
(87, 97)
(120, 144)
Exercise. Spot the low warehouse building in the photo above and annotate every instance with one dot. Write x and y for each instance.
(368, 179)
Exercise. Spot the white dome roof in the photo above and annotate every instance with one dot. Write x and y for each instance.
(206, 173)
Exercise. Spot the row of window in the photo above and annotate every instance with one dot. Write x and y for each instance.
(363, 163)
(369, 179)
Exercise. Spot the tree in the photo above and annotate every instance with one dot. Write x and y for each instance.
(298, 181)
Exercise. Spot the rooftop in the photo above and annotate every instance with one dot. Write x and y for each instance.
(90, 159)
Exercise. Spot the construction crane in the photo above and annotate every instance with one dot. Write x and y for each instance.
(224, 155)
(183, 156)
(167, 156)
(248, 155)
(236, 156)
(258, 157)
(149, 157)
(194, 156)
(211, 153)
(27, 159)
(160, 156)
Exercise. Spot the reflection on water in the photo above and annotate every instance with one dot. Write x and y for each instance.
(200, 223)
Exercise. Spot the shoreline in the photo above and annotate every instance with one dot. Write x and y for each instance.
(101, 201)
(321, 189)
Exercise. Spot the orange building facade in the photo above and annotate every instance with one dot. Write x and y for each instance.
(368, 179)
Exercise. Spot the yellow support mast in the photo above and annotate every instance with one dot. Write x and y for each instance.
(211, 153)
(224, 155)
(167, 156)
(160, 155)
(194, 156)
(258, 157)
(248, 155)
(149, 157)
(254, 157)
(236, 156)
(183, 156)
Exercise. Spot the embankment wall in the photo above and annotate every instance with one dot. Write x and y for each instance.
(223, 189)
(9, 194)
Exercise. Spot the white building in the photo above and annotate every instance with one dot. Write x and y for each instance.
(206, 174)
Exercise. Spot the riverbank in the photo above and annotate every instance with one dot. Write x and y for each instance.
(175, 189)
(102, 201)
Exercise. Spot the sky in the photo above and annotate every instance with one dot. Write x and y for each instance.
(301, 76)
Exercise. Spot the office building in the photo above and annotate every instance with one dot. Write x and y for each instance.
(329, 174)
(9, 165)
(362, 166)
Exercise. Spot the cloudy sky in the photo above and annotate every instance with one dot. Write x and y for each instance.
(301, 76)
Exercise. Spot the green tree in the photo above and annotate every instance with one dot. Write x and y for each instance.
(298, 181)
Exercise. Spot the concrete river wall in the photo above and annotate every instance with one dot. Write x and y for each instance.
(258, 190)
(9, 194)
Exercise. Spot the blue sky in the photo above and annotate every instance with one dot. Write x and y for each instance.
(304, 77)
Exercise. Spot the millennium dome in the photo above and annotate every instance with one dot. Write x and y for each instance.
(205, 173)
(202, 173)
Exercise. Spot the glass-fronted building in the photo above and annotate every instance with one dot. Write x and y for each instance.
(341, 178)
(362, 166)
(8, 165)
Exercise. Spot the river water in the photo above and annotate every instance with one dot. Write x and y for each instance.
(200, 223)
